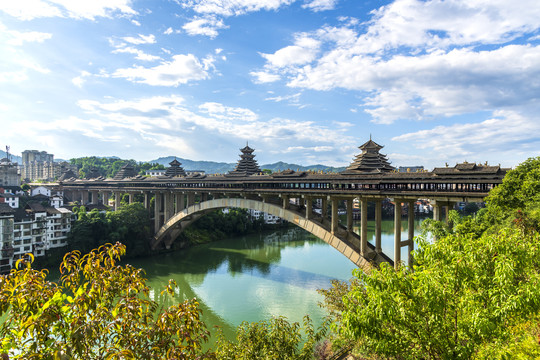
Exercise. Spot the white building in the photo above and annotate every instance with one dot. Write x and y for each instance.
(11, 199)
(32, 229)
(154, 173)
(268, 218)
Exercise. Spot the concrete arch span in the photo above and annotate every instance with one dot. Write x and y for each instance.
(341, 242)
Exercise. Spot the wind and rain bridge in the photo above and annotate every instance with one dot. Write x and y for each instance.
(181, 199)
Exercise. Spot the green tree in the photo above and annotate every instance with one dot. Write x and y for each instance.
(99, 310)
(465, 291)
(273, 339)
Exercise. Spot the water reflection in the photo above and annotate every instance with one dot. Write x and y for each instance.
(255, 277)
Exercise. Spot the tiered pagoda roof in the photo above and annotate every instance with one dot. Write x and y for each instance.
(370, 160)
(247, 165)
(93, 174)
(127, 171)
(66, 175)
(175, 169)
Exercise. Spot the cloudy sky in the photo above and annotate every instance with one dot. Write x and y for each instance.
(304, 81)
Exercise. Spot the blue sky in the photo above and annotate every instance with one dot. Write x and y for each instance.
(304, 81)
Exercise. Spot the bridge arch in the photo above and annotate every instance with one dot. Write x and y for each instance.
(176, 224)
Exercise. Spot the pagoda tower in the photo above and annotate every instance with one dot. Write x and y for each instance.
(93, 173)
(175, 169)
(127, 171)
(370, 160)
(247, 165)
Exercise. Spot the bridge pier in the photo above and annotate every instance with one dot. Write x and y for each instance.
(147, 200)
(117, 196)
(168, 206)
(190, 199)
(334, 217)
(105, 198)
(397, 233)
(157, 210)
(179, 201)
(349, 204)
(378, 222)
(411, 231)
(309, 207)
(363, 226)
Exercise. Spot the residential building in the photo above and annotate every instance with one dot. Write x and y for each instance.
(268, 218)
(9, 198)
(9, 173)
(33, 229)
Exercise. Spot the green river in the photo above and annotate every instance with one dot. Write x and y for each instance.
(255, 277)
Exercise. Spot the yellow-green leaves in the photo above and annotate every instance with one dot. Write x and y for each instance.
(100, 310)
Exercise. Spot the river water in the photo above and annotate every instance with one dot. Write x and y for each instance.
(255, 277)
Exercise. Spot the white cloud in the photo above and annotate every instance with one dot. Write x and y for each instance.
(303, 51)
(140, 55)
(320, 5)
(421, 59)
(30, 9)
(220, 111)
(182, 69)
(141, 39)
(232, 7)
(264, 77)
(18, 38)
(160, 120)
(508, 134)
(81, 79)
(208, 26)
(135, 22)
(78, 9)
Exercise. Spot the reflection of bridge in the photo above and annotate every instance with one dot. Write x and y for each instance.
(180, 200)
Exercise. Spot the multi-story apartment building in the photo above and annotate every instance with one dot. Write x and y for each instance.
(32, 229)
(9, 173)
(38, 165)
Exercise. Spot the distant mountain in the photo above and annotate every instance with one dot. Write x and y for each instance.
(212, 167)
(14, 158)
(280, 166)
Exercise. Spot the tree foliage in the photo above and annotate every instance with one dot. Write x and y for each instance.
(275, 339)
(98, 310)
(108, 167)
(472, 293)
(463, 292)
(130, 225)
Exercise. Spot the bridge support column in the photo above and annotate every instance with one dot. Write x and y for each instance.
(349, 203)
(147, 200)
(157, 211)
(94, 195)
(84, 197)
(324, 208)
(130, 198)
(335, 218)
(285, 201)
(204, 197)
(397, 233)
(179, 202)
(411, 231)
(436, 211)
(309, 207)
(105, 198)
(363, 224)
(378, 222)
(190, 199)
(168, 206)
(117, 197)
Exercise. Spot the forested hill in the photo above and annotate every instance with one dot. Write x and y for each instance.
(212, 167)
